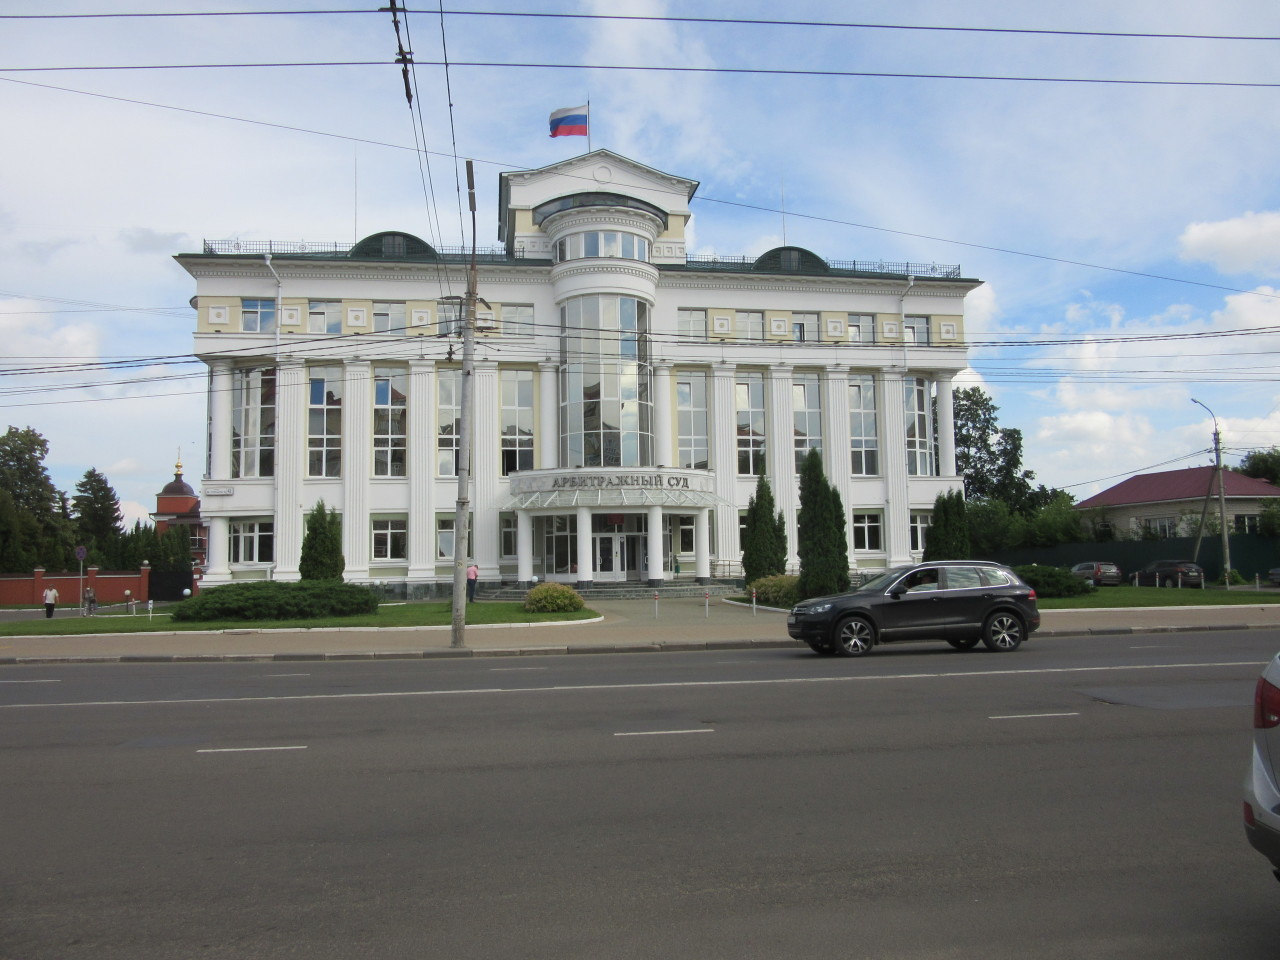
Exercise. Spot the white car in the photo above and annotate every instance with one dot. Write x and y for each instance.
(1261, 793)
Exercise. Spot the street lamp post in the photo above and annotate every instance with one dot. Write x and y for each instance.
(1222, 497)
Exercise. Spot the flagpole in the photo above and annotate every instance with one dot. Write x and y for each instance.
(588, 124)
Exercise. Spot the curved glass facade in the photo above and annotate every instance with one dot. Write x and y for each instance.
(606, 412)
(602, 243)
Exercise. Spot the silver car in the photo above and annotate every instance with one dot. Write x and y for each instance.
(1261, 793)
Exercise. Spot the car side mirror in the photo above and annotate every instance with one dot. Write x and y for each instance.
(896, 593)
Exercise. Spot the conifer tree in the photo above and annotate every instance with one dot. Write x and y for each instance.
(321, 557)
(764, 535)
(820, 533)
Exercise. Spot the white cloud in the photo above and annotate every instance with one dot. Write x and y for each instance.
(1244, 244)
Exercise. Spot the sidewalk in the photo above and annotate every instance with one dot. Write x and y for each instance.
(625, 626)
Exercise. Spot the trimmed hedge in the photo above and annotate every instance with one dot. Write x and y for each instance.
(1053, 581)
(274, 600)
(553, 598)
(781, 590)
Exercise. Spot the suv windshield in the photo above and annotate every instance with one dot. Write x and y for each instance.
(886, 578)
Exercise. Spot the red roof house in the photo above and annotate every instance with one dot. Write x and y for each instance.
(1169, 504)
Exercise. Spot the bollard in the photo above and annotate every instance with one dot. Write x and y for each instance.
(706, 599)
(1257, 581)
(753, 603)
(1179, 579)
(655, 604)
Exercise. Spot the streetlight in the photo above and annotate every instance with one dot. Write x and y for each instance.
(1222, 497)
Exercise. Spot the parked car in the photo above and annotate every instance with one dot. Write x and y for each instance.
(1171, 573)
(1099, 573)
(1274, 576)
(958, 601)
(1261, 793)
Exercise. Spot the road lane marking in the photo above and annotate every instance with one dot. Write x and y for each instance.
(30, 681)
(246, 749)
(514, 669)
(286, 674)
(591, 687)
(1032, 716)
(662, 733)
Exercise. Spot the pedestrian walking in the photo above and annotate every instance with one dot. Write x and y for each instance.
(50, 601)
(473, 574)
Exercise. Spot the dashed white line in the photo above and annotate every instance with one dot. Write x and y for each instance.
(514, 669)
(662, 733)
(286, 674)
(246, 749)
(1032, 716)
(30, 681)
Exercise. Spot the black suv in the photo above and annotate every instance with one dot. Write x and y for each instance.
(959, 601)
(1171, 573)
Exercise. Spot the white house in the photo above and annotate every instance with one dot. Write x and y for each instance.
(627, 394)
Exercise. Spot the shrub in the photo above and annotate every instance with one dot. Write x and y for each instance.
(553, 598)
(1237, 579)
(1053, 581)
(273, 600)
(780, 591)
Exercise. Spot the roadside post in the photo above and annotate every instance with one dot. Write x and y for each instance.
(706, 600)
(753, 602)
(655, 604)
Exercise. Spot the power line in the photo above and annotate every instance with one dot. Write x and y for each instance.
(729, 71)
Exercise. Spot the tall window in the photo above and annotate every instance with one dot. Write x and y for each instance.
(517, 320)
(252, 541)
(390, 540)
(390, 422)
(863, 441)
(324, 316)
(258, 316)
(388, 317)
(916, 330)
(919, 430)
(253, 423)
(804, 327)
(692, 442)
(324, 422)
(749, 401)
(748, 325)
(866, 531)
(517, 420)
(605, 409)
(692, 323)
(449, 318)
(508, 536)
(560, 546)
(806, 407)
(448, 421)
(920, 523)
(862, 328)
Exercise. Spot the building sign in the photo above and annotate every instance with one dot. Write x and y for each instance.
(217, 491)
(538, 481)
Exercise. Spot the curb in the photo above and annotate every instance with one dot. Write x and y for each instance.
(669, 646)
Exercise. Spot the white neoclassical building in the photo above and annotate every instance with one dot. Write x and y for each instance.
(627, 394)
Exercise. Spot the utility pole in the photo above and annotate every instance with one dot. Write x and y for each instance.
(1222, 498)
(462, 514)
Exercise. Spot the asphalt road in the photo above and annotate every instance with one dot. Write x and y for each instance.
(1077, 798)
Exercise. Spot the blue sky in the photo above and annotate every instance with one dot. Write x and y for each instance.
(1093, 212)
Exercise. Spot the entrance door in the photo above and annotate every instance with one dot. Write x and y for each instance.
(610, 558)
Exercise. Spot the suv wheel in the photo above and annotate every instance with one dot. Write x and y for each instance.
(1003, 632)
(822, 649)
(968, 643)
(854, 637)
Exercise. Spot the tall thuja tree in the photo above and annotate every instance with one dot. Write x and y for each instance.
(98, 520)
(820, 536)
(321, 557)
(948, 534)
(764, 535)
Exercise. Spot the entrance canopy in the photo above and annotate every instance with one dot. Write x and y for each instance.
(622, 487)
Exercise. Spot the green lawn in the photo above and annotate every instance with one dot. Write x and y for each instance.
(389, 615)
(1121, 597)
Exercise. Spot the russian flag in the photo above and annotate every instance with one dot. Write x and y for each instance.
(569, 122)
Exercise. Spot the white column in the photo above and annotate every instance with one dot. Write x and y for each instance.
(946, 427)
(220, 414)
(524, 548)
(548, 416)
(421, 521)
(291, 452)
(893, 464)
(586, 556)
(217, 568)
(357, 459)
(654, 546)
(724, 460)
(780, 452)
(486, 454)
(663, 448)
(835, 429)
(701, 546)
